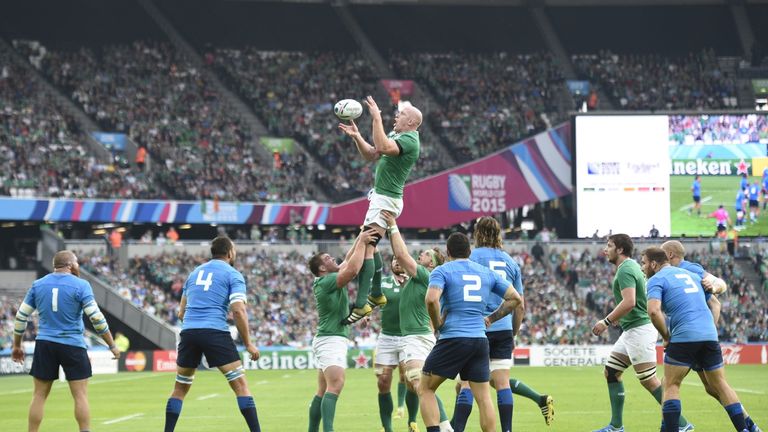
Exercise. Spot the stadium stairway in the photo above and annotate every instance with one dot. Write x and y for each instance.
(231, 97)
(427, 102)
(144, 330)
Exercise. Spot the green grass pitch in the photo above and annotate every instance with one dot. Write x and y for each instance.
(714, 191)
(135, 402)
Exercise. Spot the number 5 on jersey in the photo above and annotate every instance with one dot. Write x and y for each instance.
(205, 283)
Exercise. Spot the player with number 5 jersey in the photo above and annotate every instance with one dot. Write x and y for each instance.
(210, 291)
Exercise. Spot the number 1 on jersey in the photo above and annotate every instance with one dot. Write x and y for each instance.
(206, 284)
(55, 300)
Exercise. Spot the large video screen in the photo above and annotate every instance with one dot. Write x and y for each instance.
(684, 175)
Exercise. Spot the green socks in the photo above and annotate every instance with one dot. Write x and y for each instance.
(616, 393)
(401, 389)
(657, 394)
(314, 414)
(376, 283)
(443, 415)
(385, 411)
(523, 390)
(364, 280)
(328, 410)
(412, 403)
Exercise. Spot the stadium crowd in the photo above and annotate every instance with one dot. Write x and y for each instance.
(654, 82)
(294, 92)
(489, 101)
(42, 149)
(151, 92)
(718, 129)
(8, 308)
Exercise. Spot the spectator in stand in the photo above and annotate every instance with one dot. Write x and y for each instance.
(141, 157)
(172, 235)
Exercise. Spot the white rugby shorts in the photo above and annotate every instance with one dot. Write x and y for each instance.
(330, 351)
(377, 204)
(417, 347)
(639, 344)
(389, 350)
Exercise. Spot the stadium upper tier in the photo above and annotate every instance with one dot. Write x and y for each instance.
(488, 68)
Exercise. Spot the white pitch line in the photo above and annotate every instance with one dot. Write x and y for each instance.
(120, 419)
(690, 206)
(210, 396)
(261, 382)
(740, 390)
(56, 385)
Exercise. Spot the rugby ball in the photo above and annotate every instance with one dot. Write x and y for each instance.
(348, 109)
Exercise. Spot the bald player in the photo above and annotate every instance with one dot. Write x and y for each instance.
(396, 153)
(60, 300)
(712, 285)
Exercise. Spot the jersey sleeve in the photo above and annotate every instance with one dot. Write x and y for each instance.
(407, 142)
(500, 285)
(86, 293)
(516, 275)
(626, 279)
(29, 299)
(237, 288)
(655, 288)
(696, 269)
(437, 279)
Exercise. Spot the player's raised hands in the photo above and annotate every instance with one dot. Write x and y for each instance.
(366, 236)
(373, 108)
(389, 218)
(349, 129)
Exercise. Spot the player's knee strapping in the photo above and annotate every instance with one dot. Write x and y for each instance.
(647, 374)
(234, 374)
(184, 379)
(378, 370)
(614, 367)
(413, 374)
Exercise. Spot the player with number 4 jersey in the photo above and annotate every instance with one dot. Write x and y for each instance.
(210, 291)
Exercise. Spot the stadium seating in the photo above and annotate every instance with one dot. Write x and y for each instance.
(8, 308)
(162, 101)
(489, 100)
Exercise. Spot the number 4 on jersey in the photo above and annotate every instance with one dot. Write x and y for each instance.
(205, 283)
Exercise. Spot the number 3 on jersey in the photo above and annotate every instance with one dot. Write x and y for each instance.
(692, 287)
(473, 284)
(205, 283)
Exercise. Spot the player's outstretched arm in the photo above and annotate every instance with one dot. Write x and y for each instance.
(399, 248)
(351, 250)
(713, 284)
(240, 314)
(714, 306)
(367, 151)
(351, 268)
(382, 144)
(657, 318)
(511, 301)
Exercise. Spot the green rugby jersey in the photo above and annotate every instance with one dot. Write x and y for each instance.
(390, 313)
(414, 319)
(332, 306)
(392, 171)
(629, 274)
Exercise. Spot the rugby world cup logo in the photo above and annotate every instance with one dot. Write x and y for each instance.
(459, 192)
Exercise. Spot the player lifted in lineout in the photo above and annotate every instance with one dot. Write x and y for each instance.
(396, 153)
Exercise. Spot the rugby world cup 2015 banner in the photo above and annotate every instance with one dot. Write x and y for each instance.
(531, 171)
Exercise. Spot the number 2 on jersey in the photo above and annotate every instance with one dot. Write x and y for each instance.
(205, 283)
(692, 287)
(473, 284)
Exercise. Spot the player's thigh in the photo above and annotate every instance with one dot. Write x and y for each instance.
(75, 362)
(42, 388)
(79, 389)
(640, 344)
(501, 344)
(388, 351)
(219, 349)
(417, 347)
(334, 377)
(330, 351)
(673, 375)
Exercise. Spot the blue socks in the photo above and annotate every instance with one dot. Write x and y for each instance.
(736, 413)
(248, 410)
(463, 409)
(172, 411)
(505, 403)
(670, 411)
